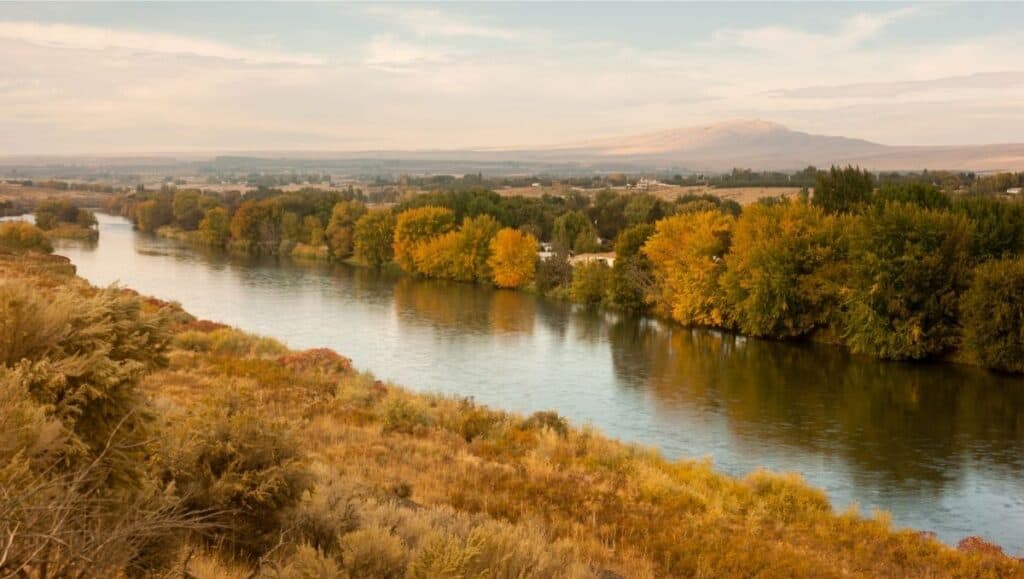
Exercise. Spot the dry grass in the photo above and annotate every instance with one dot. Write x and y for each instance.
(411, 485)
(620, 507)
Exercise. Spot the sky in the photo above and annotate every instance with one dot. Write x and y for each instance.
(133, 78)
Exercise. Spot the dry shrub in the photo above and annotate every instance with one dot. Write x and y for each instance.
(318, 359)
(405, 415)
(786, 497)
(232, 460)
(373, 553)
(308, 562)
(228, 342)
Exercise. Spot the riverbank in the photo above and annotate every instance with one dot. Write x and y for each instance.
(396, 477)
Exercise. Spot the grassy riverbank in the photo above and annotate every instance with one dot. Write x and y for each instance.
(254, 456)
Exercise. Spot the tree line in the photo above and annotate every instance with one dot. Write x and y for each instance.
(894, 269)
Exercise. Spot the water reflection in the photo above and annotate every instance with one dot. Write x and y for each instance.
(940, 446)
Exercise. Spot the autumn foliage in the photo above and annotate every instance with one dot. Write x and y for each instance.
(513, 258)
(687, 253)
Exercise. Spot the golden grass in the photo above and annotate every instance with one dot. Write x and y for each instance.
(441, 483)
(621, 507)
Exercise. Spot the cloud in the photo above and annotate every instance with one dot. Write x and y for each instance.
(989, 80)
(853, 31)
(387, 53)
(78, 37)
(430, 22)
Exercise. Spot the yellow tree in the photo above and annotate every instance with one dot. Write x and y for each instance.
(513, 258)
(781, 269)
(417, 226)
(341, 228)
(687, 253)
(459, 255)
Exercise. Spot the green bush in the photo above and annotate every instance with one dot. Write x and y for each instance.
(993, 315)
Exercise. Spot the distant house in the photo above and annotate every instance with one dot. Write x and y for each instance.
(607, 258)
(1013, 191)
(547, 251)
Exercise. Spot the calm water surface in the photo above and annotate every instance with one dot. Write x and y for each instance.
(941, 447)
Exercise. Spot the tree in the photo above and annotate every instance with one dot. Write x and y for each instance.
(417, 226)
(513, 259)
(215, 228)
(590, 283)
(998, 225)
(153, 214)
(774, 280)
(189, 208)
(631, 278)
(843, 190)
(373, 238)
(920, 194)
(687, 254)
(907, 268)
(341, 228)
(993, 315)
(575, 231)
(53, 212)
(459, 255)
(643, 208)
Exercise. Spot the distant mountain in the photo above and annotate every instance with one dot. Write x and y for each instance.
(764, 145)
(751, 144)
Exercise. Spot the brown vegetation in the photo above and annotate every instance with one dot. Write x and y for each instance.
(262, 461)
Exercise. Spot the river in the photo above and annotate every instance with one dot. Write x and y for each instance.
(939, 446)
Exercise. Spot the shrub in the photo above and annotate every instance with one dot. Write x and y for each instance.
(373, 552)
(82, 358)
(993, 315)
(19, 236)
(228, 342)
(405, 416)
(241, 468)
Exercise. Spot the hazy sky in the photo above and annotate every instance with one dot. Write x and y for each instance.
(82, 78)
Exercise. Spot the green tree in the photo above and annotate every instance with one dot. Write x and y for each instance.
(776, 279)
(215, 228)
(632, 274)
(341, 228)
(993, 315)
(575, 231)
(914, 192)
(373, 238)
(998, 225)
(841, 190)
(590, 283)
(908, 266)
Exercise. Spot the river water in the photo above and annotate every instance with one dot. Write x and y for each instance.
(939, 446)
